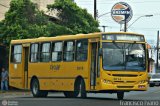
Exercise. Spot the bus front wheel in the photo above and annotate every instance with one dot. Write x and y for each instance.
(120, 95)
(36, 92)
(82, 90)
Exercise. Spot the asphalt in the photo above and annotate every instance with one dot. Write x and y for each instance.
(134, 98)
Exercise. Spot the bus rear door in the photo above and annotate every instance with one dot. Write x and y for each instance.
(94, 63)
(25, 62)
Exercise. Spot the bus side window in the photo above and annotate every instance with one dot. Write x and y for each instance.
(16, 53)
(34, 53)
(68, 51)
(45, 52)
(57, 51)
(81, 51)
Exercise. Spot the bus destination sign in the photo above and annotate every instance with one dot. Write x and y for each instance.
(122, 37)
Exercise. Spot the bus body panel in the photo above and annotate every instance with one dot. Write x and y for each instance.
(59, 75)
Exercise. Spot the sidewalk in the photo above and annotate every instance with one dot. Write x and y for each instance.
(14, 92)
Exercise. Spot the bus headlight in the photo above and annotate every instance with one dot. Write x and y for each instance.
(107, 81)
(141, 82)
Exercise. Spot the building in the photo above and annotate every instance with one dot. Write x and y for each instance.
(4, 6)
(42, 4)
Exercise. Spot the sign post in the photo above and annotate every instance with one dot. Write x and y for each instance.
(157, 50)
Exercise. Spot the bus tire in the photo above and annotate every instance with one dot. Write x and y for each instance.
(151, 85)
(78, 89)
(120, 95)
(69, 94)
(44, 93)
(35, 88)
(82, 91)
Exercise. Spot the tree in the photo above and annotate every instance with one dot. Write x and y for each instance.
(24, 20)
(73, 17)
(19, 19)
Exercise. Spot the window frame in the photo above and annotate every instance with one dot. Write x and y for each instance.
(38, 58)
(74, 49)
(12, 54)
(57, 51)
(81, 50)
(40, 51)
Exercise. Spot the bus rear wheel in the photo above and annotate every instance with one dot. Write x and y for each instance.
(69, 94)
(78, 89)
(36, 92)
(82, 90)
(120, 95)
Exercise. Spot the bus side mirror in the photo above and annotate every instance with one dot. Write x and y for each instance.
(100, 52)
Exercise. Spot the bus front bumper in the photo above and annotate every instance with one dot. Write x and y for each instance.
(125, 87)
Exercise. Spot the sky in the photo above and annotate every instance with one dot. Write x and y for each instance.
(144, 25)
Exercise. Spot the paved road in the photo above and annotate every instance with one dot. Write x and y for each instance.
(146, 98)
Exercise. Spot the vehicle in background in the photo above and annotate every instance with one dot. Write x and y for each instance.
(154, 79)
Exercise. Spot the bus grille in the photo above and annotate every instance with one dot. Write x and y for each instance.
(124, 86)
(124, 81)
(125, 75)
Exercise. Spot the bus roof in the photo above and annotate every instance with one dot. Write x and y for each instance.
(68, 37)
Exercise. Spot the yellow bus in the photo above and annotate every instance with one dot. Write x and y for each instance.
(113, 62)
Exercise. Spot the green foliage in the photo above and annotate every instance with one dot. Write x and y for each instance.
(55, 29)
(21, 19)
(74, 17)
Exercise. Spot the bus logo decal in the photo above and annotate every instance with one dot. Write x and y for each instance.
(79, 67)
(54, 67)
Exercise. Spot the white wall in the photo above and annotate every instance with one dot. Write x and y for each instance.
(42, 5)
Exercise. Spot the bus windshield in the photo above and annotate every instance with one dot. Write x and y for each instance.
(124, 56)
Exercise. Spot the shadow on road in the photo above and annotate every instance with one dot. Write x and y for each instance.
(78, 98)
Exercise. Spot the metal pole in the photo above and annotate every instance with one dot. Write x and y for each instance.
(104, 27)
(157, 47)
(125, 24)
(95, 9)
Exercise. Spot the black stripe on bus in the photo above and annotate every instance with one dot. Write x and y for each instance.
(58, 77)
(48, 77)
(15, 77)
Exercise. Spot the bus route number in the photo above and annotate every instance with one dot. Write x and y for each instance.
(54, 67)
(117, 79)
(80, 68)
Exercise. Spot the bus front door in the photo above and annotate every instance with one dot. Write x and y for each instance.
(93, 68)
(26, 52)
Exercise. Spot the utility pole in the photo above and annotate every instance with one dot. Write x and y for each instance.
(125, 23)
(104, 28)
(157, 47)
(95, 9)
